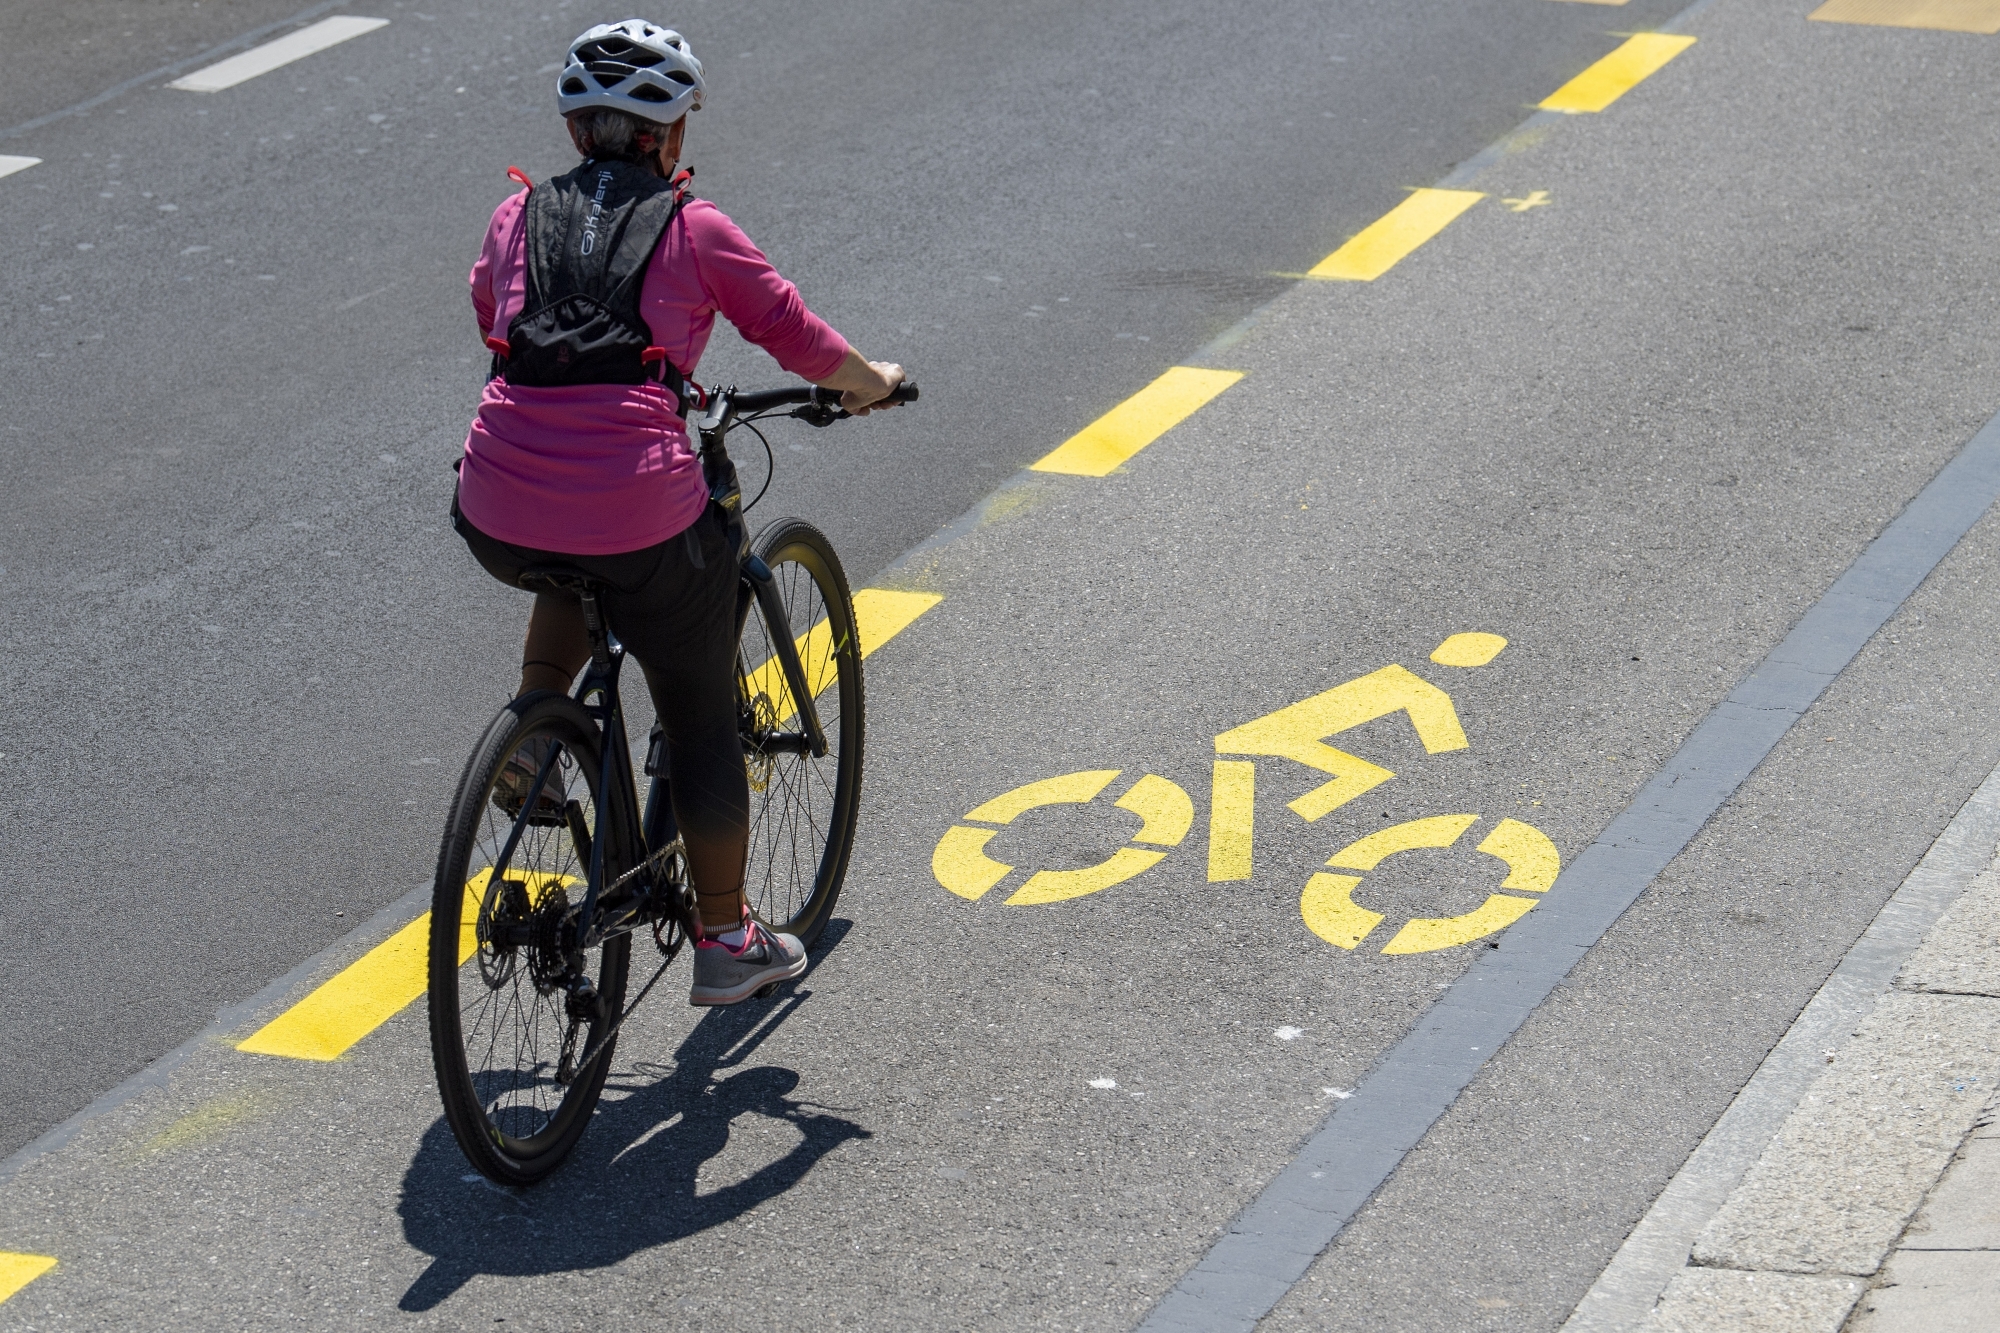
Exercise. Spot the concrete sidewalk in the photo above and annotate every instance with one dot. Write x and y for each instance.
(1873, 1206)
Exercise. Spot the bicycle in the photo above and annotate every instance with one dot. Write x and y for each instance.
(539, 891)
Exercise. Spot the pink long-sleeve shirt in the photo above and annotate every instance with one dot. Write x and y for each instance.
(596, 469)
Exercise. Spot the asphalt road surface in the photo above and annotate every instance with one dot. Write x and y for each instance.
(1636, 426)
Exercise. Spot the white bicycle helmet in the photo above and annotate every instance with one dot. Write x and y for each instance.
(636, 67)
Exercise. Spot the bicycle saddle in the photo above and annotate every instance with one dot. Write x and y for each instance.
(558, 578)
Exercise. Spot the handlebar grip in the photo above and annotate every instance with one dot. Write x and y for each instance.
(906, 392)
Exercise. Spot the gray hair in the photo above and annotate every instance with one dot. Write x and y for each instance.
(610, 133)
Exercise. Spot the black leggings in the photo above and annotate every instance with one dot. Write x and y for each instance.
(678, 618)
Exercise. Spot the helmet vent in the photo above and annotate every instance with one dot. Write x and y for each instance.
(646, 92)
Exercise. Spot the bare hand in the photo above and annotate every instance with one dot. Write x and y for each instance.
(861, 401)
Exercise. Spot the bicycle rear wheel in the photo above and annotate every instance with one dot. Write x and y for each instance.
(803, 808)
(506, 1034)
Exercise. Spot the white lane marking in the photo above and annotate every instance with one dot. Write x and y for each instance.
(263, 59)
(10, 165)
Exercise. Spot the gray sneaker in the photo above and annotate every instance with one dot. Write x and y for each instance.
(723, 975)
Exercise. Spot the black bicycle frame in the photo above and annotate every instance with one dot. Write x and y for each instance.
(657, 827)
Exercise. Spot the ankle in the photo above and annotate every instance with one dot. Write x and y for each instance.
(730, 934)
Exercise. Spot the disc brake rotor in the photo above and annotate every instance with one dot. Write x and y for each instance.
(504, 907)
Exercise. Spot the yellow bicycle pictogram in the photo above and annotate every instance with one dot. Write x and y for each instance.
(962, 865)
(1298, 733)
(1331, 913)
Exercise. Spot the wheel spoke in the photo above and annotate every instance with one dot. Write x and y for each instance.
(797, 846)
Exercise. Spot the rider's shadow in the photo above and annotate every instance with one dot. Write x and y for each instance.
(632, 1182)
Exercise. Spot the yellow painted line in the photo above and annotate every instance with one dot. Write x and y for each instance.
(1383, 243)
(1617, 74)
(1100, 447)
(18, 1270)
(379, 985)
(354, 1003)
(961, 864)
(1231, 815)
(1468, 650)
(1330, 912)
(1369, 852)
(1068, 789)
(1532, 860)
(1166, 809)
(1054, 886)
(1428, 934)
(1980, 16)
(1298, 732)
(879, 616)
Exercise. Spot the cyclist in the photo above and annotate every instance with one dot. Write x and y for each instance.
(597, 291)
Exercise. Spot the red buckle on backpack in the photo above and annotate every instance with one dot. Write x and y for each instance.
(520, 177)
(499, 346)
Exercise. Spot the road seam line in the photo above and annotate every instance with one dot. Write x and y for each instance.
(259, 60)
(120, 89)
(1275, 1239)
(221, 1030)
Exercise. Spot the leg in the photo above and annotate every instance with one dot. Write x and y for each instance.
(679, 621)
(558, 645)
(696, 703)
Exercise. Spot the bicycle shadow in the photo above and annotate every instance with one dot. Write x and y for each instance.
(632, 1183)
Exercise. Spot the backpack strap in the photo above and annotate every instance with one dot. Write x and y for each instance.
(670, 374)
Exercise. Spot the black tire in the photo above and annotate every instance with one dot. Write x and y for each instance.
(497, 1023)
(802, 809)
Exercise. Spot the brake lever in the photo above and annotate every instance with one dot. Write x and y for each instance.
(819, 414)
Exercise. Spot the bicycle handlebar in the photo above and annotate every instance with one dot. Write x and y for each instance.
(810, 395)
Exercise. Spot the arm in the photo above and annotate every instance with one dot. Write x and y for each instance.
(767, 310)
(502, 238)
(863, 383)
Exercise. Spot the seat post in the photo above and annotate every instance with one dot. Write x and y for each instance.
(593, 622)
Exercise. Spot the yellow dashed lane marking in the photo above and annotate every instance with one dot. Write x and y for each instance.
(1382, 244)
(388, 977)
(1099, 448)
(1981, 16)
(356, 1001)
(1617, 74)
(18, 1270)
(879, 616)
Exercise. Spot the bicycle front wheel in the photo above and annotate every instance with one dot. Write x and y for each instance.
(803, 808)
(509, 1024)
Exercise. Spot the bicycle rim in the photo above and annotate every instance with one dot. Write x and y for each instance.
(802, 808)
(500, 1016)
